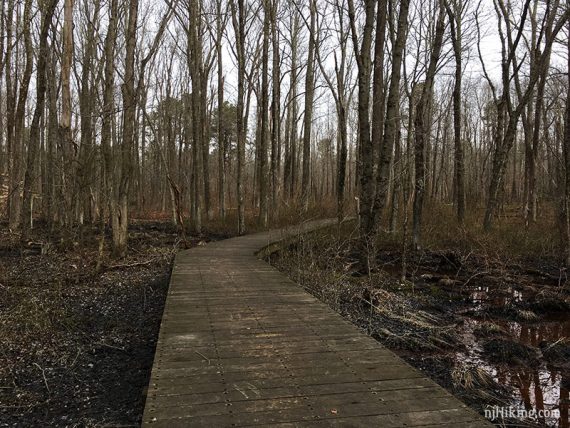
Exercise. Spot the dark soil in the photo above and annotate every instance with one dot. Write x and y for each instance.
(77, 342)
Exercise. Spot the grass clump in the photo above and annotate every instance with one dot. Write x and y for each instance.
(507, 351)
(488, 329)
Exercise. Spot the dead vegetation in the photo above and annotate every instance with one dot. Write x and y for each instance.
(509, 351)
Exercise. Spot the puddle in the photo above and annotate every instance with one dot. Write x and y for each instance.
(535, 387)
(542, 387)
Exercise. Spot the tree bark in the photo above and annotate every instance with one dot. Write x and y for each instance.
(120, 219)
(221, 142)
(34, 143)
(65, 119)
(263, 176)
(392, 113)
(422, 127)
(12, 146)
(275, 110)
(567, 159)
(238, 18)
(454, 14)
(366, 150)
(15, 202)
(308, 118)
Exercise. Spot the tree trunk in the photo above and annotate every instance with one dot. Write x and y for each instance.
(456, 39)
(52, 138)
(422, 127)
(12, 146)
(238, 18)
(264, 121)
(65, 119)
(567, 161)
(34, 144)
(15, 202)
(392, 113)
(289, 171)
(366, 150)
(120, 219)
(308, 118)
(275, 110)
(108, 177)
(221, 142)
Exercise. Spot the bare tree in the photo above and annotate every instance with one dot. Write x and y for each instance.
(309, 99)
(239, 22)
(454, 11)
(289, 167)
(275, 107)
(263, 176)
(507, 110)
(567, 158)
(362, 52)
(221, 19)
(340, 91)
(107, 177)
(17, 141)
(422, 125)
(120, 218)
(47, 12)
(392, 116)
(66, 110)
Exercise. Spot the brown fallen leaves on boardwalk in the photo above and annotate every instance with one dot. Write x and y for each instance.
(240, 345)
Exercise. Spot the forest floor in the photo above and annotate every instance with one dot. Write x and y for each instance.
(77, 343)
(475, 313)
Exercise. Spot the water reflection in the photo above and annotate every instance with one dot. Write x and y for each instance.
(542, 387)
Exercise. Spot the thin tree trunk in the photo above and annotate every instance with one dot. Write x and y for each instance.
(238, 18)
(120, 220)
(275, 110)
(65, 120)
(308, 118)
(567, 160)
(221, 142)
(366, 150)
(15, 202)
(456, 38)
(264, 121)
(422, 128)
(392, 113)
(34, 144)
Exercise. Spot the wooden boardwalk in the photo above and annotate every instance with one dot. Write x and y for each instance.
(242, 345)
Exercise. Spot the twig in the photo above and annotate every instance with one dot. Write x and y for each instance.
(76, 357)
(44, 376)
(110, 346)
(473, 276)
(129, 265)
(203, 356)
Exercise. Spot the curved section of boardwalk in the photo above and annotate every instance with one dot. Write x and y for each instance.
(242, 345)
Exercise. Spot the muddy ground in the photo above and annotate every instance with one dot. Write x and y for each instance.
(493, 331)
(77, 344)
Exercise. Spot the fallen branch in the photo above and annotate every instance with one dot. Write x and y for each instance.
(44, 376)
(130, 265)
